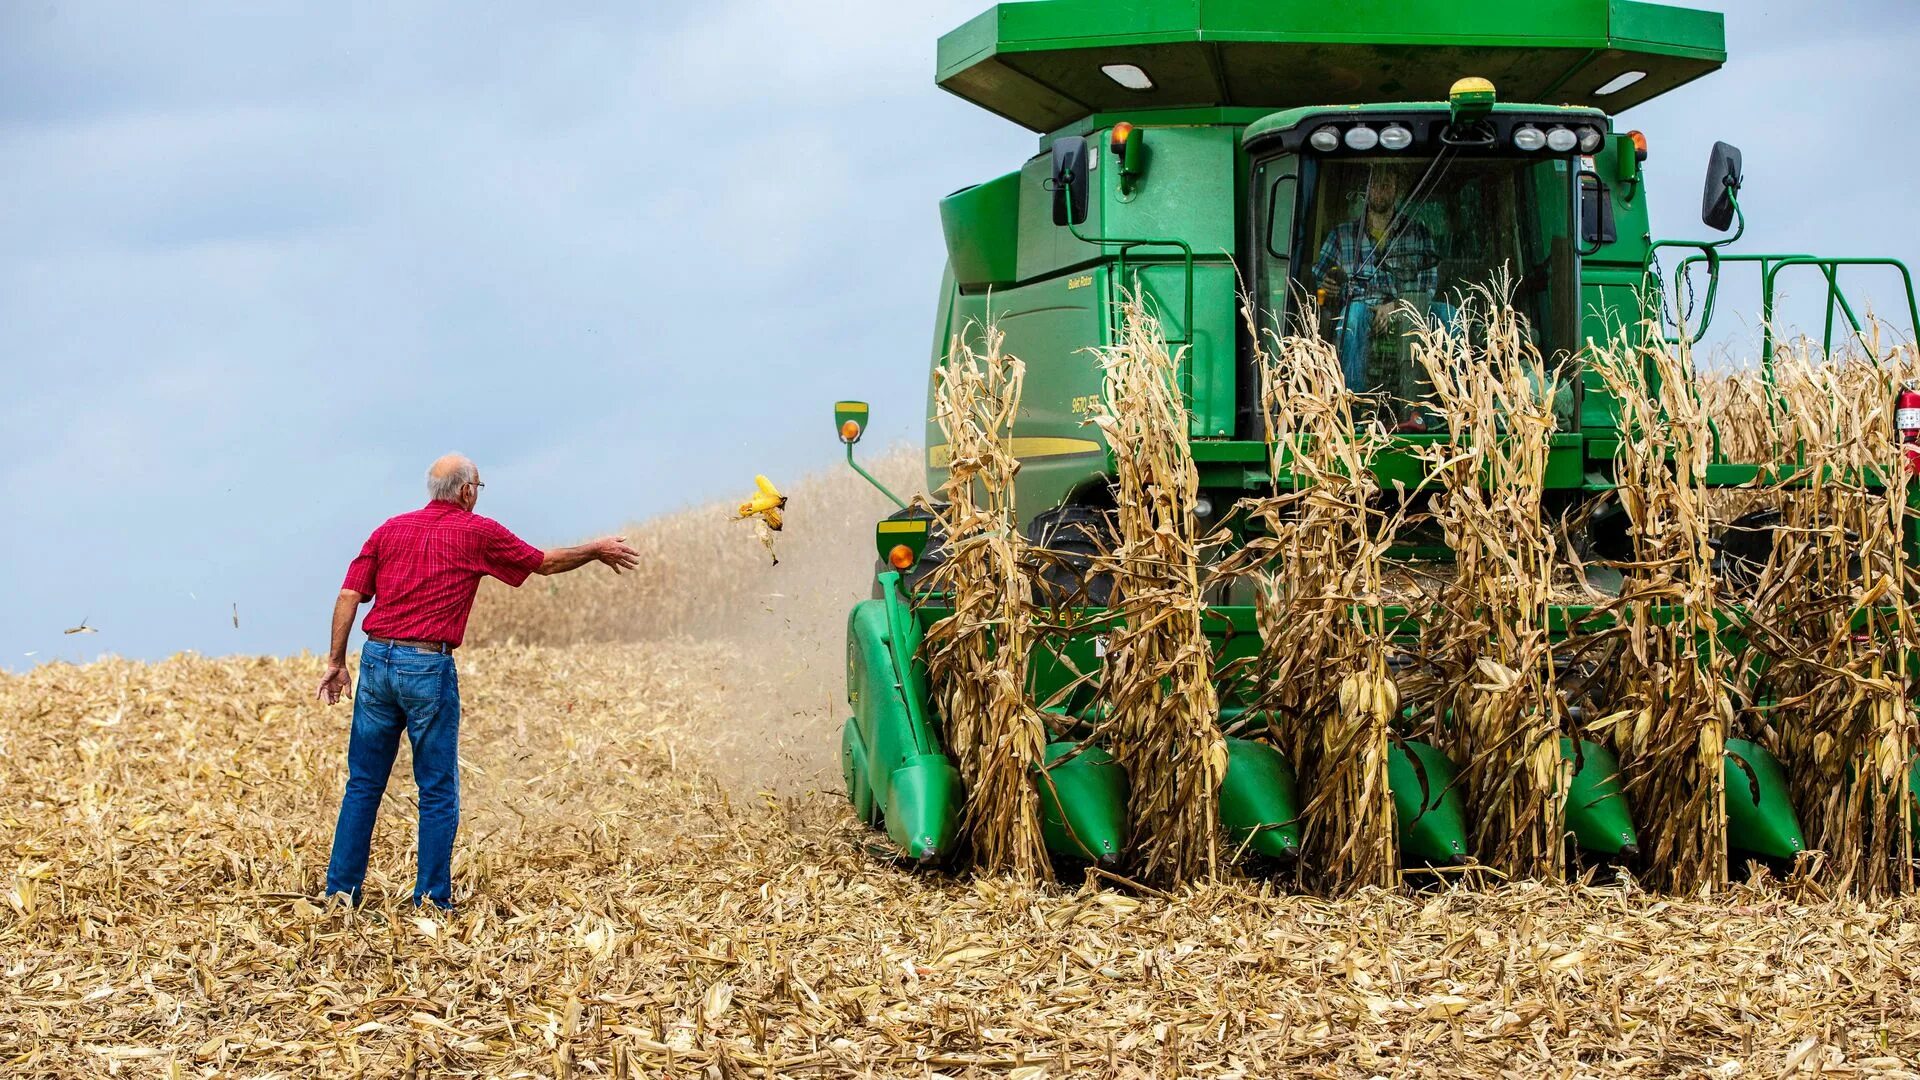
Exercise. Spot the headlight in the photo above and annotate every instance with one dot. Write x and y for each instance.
(1326, 140)
(1562, 140)
(1362, 137)
(1590, 140)
(1529, 138)
(1395, 137)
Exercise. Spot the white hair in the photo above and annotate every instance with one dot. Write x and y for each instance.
(447, 486)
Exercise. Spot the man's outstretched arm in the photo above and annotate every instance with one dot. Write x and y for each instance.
(337, 681)
(612, 550)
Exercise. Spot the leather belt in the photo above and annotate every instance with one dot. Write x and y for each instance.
(429, 646)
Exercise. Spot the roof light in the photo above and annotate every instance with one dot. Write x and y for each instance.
(1117, 141)
(1395, 137)
(1325, 140)
(1362, 137)
(1127, 75)
(1639, 144)
(1562, 140)
(1590, 140)
(1529, 138)
(1619, 82)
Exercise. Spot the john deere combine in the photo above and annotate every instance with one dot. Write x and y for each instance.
(1196, 150)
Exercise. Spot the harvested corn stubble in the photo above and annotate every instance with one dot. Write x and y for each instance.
(977, 657)
(1158, 683)
(167, 826)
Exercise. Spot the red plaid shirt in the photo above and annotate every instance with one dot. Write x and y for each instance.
(424, 568)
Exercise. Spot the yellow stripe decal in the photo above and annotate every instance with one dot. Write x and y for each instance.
(901, 526)
(850, 406)
(1025, 446)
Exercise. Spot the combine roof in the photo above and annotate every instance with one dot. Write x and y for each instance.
(1039, 63)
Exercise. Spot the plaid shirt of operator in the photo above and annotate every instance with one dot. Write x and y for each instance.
(1410, 264)
(423, 569)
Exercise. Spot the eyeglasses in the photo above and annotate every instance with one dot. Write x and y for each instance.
(477, 485)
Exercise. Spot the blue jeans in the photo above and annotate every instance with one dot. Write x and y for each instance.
(411, 690)
(1355, 329)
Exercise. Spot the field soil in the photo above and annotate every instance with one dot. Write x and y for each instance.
(658, 876)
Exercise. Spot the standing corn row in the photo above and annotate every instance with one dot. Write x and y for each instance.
(1321, 675)
(1158, 679)
(977, 657)
(1838, 627)
(1670, 679)
(1497, 702)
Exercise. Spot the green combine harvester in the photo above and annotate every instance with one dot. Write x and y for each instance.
(1193, 150)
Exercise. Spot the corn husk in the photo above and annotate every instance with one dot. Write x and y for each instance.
(977, 657)
(1321, 679)
(1488, 677)
(1669, 702)
(1158, 683)
(1833, 612)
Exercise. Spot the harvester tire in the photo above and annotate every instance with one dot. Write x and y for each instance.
(1073, 537)
(1745, 548)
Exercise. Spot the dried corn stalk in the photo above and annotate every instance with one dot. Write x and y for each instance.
(1158, 682)
(1833, 614)
(1669, 691)
(1321, 675)
(1488, 638)
(977, 656)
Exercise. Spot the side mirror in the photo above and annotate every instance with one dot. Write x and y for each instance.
(1723, 184)
(850, 420)
(1070, 180)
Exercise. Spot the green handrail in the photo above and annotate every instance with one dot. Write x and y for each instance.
(1710, 251)
(1126, 244)
(1830, 267)
(1681, 272)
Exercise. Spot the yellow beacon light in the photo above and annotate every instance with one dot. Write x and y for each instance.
(1471, 98)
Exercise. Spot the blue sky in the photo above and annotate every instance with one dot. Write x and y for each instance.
(260, 263)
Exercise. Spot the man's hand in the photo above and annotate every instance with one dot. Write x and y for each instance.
(614, 551)
(1383, 315)
(336, 683)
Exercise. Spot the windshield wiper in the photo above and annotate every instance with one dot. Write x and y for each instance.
(1403, 213)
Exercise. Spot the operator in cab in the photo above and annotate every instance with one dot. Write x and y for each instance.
(1368, 268)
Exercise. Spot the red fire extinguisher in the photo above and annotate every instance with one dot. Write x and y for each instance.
(1906, 418)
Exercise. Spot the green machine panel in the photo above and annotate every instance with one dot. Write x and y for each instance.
(1050, 325)
(982, 228)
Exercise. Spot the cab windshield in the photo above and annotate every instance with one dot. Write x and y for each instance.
(1371, 236)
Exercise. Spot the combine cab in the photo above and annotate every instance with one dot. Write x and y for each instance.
(1193, 151)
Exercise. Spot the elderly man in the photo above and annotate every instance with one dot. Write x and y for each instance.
(422, 570)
